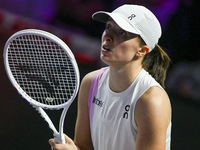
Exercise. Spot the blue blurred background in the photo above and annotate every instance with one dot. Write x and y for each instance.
(22, 128)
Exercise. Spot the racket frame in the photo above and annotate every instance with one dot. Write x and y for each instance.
(59, 137)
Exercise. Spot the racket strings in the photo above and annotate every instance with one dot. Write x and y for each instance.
(42, 69)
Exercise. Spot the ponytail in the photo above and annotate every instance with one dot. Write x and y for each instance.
(156, 63)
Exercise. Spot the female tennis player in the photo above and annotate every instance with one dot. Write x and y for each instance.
(124, 106)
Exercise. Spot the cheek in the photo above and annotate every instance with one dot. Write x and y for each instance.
(125, 55)
(127, 51)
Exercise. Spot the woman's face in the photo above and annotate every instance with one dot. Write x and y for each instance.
(118, 46)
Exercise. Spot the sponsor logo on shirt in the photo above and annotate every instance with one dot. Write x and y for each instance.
(127, 108)
(97, 102)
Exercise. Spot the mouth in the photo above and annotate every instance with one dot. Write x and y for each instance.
(106, 48)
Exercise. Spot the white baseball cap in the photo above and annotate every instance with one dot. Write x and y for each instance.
(134, 19)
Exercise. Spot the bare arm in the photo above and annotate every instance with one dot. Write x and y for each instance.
(82, 139)
(82, 130)
(152, 116)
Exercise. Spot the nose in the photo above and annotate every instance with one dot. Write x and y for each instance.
(107, 36)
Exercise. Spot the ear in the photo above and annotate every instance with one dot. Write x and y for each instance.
(142, 51)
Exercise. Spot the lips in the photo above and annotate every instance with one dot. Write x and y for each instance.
(105, 47)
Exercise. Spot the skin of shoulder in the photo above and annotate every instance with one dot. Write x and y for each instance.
(152, 116)
(82, 130)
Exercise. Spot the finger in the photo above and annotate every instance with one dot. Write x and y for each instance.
(54, 145)
(52, 142)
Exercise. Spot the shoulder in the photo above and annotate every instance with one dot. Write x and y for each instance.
(152, 106)
(88, 78)
(155, 94)
(152, 117)
(85, 86)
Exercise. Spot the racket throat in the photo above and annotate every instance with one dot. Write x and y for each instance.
(47, 119)
(59, 138)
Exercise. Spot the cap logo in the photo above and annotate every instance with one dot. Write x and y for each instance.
(131, 16)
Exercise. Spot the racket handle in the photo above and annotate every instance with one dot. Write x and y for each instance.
(60, 139)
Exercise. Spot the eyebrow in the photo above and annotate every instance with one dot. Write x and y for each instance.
(131, 35)
(109, 19)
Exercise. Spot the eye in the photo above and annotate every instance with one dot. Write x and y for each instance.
(108, 26)
(122, 32)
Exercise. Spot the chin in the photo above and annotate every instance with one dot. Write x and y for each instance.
(105, 60)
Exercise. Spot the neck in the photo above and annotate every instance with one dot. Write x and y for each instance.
(121, 78)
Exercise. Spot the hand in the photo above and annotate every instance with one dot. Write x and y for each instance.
(69, 145)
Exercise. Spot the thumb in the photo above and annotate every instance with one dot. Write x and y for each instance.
(68, 139)
(70, 143)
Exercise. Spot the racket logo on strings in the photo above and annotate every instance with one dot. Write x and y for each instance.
(44, 71)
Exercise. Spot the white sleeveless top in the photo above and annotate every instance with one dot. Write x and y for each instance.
(112, 122)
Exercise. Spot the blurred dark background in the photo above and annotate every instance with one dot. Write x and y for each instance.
(22, 128)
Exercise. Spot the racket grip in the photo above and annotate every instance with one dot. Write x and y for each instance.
(60, 139)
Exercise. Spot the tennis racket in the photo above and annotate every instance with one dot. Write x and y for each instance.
(44, 71)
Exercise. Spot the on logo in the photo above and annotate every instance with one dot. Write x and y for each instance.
(127, 108)
(131, 16)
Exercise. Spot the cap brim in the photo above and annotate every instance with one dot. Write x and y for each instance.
(103, 16)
